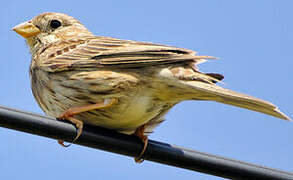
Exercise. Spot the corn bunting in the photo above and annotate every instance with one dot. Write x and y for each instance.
(118, 84)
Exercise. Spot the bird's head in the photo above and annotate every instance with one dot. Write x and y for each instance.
(48, 28)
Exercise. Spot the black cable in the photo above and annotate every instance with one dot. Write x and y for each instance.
(112, 141)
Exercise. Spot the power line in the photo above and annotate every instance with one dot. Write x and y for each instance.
(108, 140)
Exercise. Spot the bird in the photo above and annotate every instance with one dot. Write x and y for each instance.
(124, 85)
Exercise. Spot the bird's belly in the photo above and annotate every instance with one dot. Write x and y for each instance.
(127, 115)
(132, 110)
(136, 105)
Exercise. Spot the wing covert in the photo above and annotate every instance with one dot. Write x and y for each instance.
(104, 51)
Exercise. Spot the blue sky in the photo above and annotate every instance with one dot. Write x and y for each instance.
(253, 39)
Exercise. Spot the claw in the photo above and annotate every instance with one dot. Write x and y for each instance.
(140, 134)
(68, 115)
(61, 142)
(78, 124)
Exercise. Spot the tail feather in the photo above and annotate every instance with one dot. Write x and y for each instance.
(214, 92)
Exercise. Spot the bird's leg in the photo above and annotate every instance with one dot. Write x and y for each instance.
(69, 113)
(140, 133)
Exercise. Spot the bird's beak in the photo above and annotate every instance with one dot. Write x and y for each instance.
(26, 29)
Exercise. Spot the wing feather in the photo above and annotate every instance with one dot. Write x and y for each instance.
(103, 52)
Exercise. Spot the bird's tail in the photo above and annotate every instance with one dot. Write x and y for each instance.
(213, 92)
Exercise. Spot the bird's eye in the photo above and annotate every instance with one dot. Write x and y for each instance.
(55, 24)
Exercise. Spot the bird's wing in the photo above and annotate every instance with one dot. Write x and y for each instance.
(104, 52)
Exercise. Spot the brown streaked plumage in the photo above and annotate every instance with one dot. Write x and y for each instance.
(119, 84)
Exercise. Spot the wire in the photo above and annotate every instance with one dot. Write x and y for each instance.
(108, 140)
